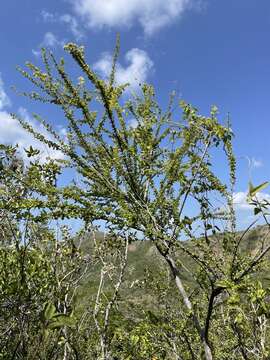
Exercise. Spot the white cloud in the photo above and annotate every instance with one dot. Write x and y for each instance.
(4, 99)
(47, 16)
(240, 200)
(140, 65)
(133, 123)
(152, 15)
(49, 40)
(73, 25)
(11, 132)
(256, 163)
(66, 19)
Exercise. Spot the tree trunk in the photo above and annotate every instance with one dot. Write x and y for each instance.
(188, 304)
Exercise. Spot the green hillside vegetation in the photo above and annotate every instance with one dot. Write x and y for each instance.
(143, 260)
(146, 296)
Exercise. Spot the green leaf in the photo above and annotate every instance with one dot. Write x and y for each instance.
(61, 320)
(225, 283)
(31, 151)
(254, 190)
(49, 311)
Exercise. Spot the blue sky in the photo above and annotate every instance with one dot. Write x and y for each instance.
(208, 51)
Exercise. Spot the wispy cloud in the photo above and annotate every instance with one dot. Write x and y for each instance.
(256, 163)
(70, 22)
(73, 26)
(4, 99)
(47, 16)
(49, 41)
(138, 69)
(12, 133)
(151, 15)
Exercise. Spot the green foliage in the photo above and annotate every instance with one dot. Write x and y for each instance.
(199, 298)
(37, 273)
(29, 279)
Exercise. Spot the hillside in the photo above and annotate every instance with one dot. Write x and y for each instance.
(144, 261)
